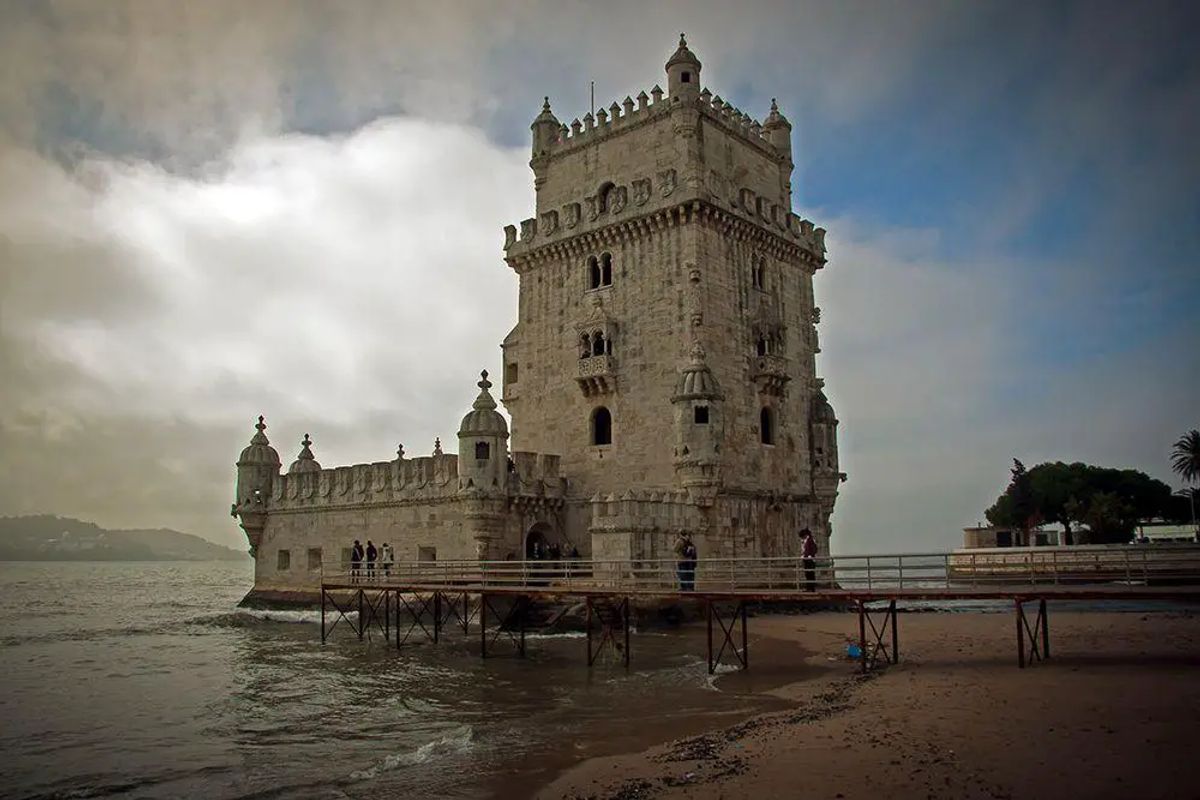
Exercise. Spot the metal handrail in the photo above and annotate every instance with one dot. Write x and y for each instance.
(1024, 567)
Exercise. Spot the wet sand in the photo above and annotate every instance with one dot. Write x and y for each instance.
(1112, 715)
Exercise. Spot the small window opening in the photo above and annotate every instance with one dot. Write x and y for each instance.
(597, 343)
(686, 77)
(585, 345)
(483, 451)
(314, 559)
(426, 553)
(284, 560)
(606, 269)
(602, 197)
(760, 346)
(601, 426)
(510, 372)
(766, 427)
(593, 273)
(701, 415)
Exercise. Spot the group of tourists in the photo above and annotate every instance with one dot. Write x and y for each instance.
(383, 558)
(686, 557)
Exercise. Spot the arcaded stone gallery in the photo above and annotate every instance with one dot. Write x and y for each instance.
(661, 376)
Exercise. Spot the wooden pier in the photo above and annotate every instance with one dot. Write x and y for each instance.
(419, 601)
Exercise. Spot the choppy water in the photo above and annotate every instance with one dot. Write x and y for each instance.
(145, 680)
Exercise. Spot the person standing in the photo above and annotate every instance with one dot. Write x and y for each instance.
(388, 557)
(808, 553)
(356, 557)
(372, 556)
(685, 562)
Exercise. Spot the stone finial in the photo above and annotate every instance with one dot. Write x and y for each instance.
(437, 446)
(656, 93)
(546, 104)
(400, 451)
(305, 461)
(259, 436)
(484, 383)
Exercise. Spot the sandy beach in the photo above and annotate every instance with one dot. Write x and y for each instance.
(1113, 714)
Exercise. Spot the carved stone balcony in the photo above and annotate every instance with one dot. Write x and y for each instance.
(597, 375)
(770, 372)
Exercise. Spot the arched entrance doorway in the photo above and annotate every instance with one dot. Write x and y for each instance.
(537, 543)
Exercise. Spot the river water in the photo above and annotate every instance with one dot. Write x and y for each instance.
(146, 680)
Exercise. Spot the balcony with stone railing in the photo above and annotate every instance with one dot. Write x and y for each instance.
(597, 375)
(770, 372)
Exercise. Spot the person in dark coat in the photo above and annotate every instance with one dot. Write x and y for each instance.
(808, 553)
(356, 557)
(372, 555)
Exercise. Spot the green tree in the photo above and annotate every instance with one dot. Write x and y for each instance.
(1017, 507)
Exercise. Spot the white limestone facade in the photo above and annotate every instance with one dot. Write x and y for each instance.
(661, 376)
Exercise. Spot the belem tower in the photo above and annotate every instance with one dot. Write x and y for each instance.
(661, 376)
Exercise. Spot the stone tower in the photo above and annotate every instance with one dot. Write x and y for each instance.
(666, 340)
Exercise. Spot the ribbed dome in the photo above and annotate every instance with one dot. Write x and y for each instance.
(822, 411)
(775, 118)
(259, 451)
(682, 55)
(696, 380)
(306, 461)
(484, 419)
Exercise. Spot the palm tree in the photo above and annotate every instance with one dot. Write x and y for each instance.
(1185, 457)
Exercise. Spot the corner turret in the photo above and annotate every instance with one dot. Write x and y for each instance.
(483, 443)
(683, 74)
(699, 423)
(257, 467)
(483, 471)
(545, 129)
(778, 131)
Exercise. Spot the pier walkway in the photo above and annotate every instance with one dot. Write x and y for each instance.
(415, 601)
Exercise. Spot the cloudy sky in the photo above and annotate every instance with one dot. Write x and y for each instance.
(214, 210)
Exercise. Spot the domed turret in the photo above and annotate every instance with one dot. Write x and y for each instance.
(778, 131)
(483, 443)
(683, 74)
(545, 129)
(305, 461)
(699, 422)
(259, 451)
(696, 381)
(257, 468)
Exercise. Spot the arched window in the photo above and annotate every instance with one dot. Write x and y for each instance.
(597, 343)
(603, 195)
(760, 345)
(601, 426)
(606, 269)
(593, 277)
(766, 426)
(483, 451)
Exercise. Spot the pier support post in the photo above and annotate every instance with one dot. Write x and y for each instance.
(862, 635)
(361, 626)
(727, 635)
(1039, 634)
(482, 625)
(437, 616)
(870, 650)
(322, 615)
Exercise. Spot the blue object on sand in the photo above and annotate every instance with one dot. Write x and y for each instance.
(853, 650)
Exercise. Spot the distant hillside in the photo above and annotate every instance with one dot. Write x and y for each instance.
(49, 538)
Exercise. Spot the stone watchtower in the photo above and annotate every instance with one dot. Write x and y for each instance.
(666, 336)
